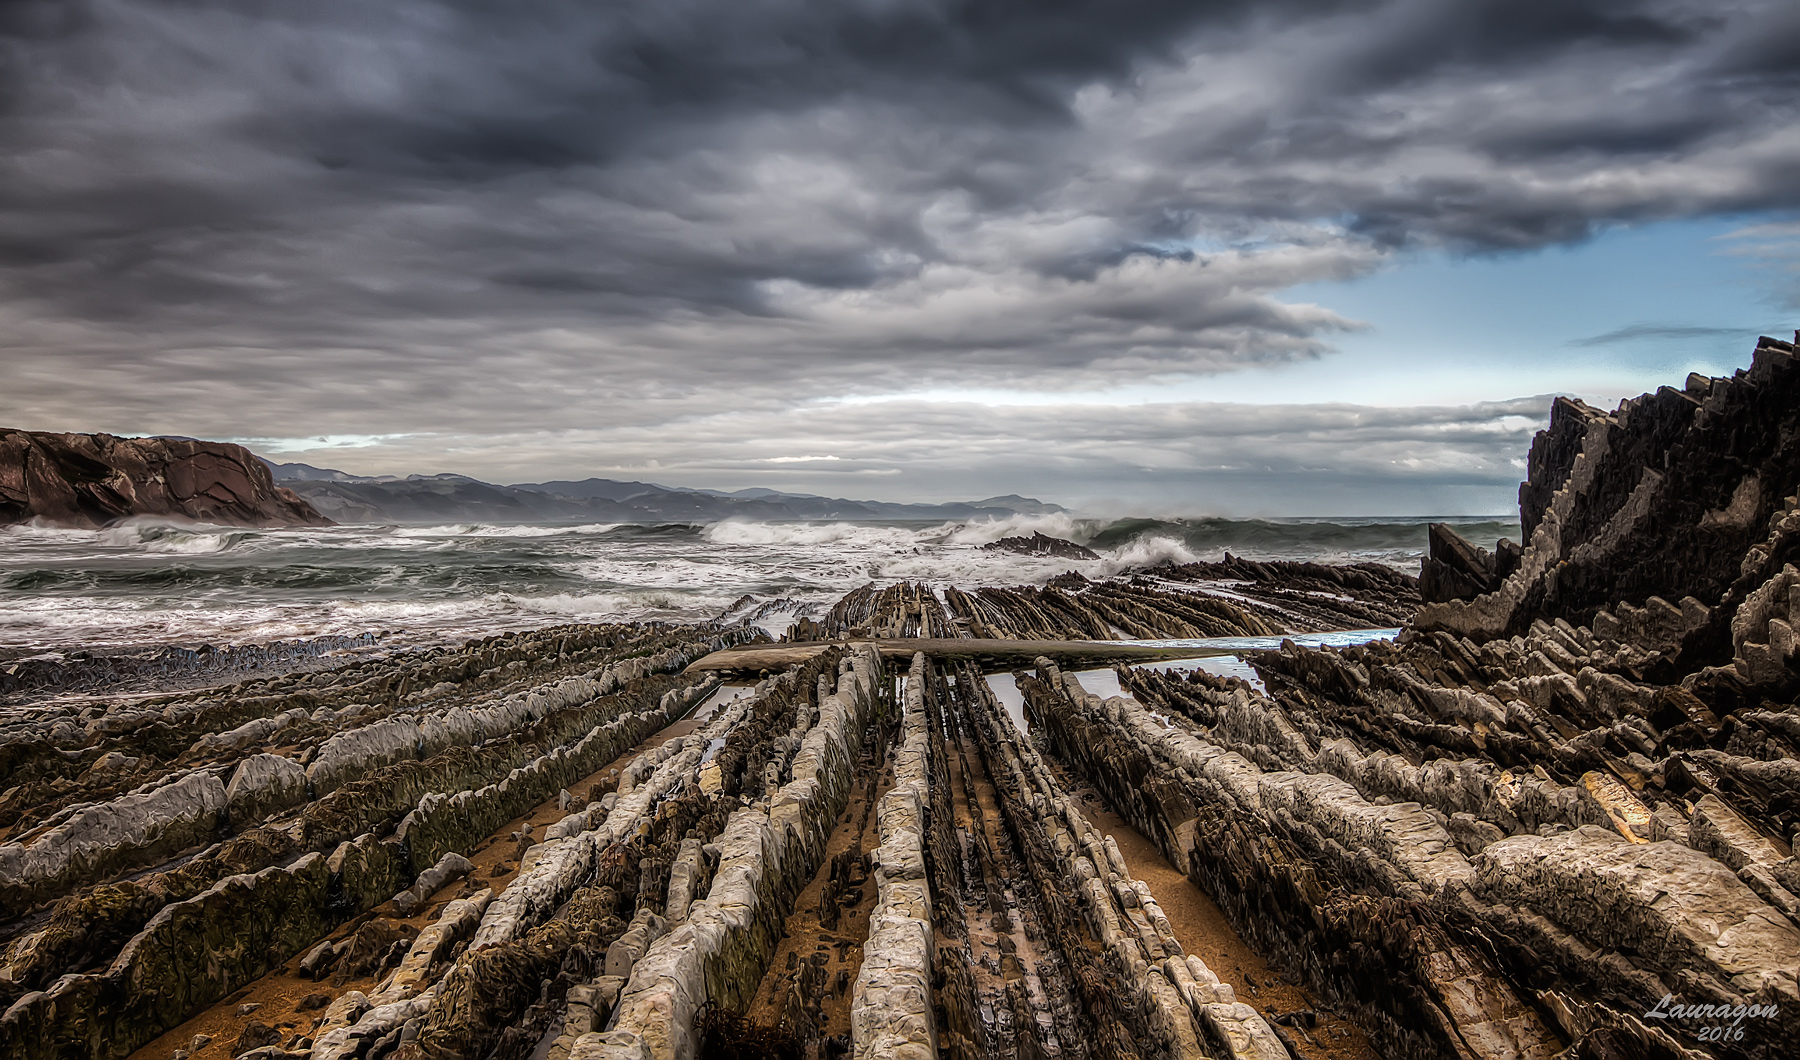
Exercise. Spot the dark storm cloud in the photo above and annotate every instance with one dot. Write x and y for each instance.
(242, 218)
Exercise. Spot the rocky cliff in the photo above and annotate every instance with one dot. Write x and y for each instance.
(1680, 496)
(1557, 812)
(91, 480)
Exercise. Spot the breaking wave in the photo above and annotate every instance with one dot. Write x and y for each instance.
(1389, 540)
(162, 582)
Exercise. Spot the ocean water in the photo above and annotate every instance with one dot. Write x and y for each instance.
(147, 582)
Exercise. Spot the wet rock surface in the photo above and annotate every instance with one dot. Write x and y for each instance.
(1560, 804)
(1041, 544)
(27, 678)
(1553, 817)
(286, 853)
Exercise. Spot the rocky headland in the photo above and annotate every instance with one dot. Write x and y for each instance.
(92, 480)
(1552, 817)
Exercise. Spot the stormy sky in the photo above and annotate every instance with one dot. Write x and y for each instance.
(1270, 256)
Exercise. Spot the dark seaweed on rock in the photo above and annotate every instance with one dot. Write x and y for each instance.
(728, 1035)
(169, 667)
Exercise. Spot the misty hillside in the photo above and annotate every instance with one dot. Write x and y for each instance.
(457, 498)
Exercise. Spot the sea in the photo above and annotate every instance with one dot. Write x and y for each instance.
(149, 582)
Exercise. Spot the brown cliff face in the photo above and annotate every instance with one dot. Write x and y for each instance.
(91, 480)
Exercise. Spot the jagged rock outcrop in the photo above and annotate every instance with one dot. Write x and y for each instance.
(1454, 569)
(1676, 495)
(1043, 546)
(95, 479)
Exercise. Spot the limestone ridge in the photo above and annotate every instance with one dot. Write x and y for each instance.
(92, 480)
(1677, 502)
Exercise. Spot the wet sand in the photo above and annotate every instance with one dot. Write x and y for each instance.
(803, 935)
(1201, 928)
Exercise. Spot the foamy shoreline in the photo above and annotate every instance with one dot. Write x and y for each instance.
(158, 583)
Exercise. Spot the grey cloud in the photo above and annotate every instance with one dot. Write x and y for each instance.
(245, 217)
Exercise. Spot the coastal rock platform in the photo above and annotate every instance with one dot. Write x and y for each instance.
(1553, 816)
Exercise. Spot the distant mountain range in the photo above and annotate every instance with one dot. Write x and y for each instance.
(457, 498)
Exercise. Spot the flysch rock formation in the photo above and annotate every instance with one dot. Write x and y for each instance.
(91, 480)
(1235, 598)
(170, 851)
(1552, 818)
(355, 825)
(1556, 813)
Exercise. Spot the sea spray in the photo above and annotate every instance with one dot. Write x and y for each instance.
(160, 582)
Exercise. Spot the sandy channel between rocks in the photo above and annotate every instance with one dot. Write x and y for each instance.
(803, 934)
(1198, 923)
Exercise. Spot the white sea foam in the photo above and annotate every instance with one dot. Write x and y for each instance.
(180, 541)
(1150, 551)
(1056, 524)
(164, 581)
(812, 535)
(39, 532)
(526, 530)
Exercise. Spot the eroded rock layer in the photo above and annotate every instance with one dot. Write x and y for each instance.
(95, 479)
(1557, 811)
(314, 799)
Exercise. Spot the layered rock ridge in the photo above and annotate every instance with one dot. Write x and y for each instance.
(92, 480)
(1677, 495)
(1235, 598)
(1557, 812)
(322, 798)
